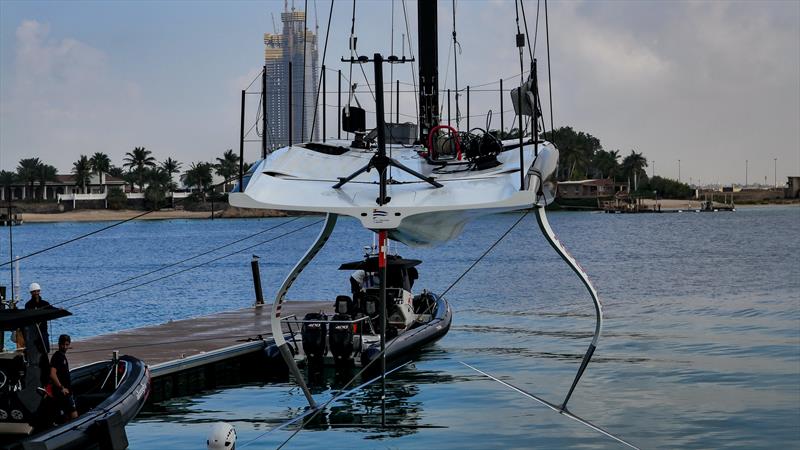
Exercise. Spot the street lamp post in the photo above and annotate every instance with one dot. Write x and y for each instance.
(775, 161)
(679, 171)
(745, 172)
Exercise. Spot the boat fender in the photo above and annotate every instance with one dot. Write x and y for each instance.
(221, 437)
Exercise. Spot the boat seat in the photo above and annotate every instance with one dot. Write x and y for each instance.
(344, 305)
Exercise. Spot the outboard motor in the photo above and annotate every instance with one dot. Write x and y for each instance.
(314, 334)
(341, 339)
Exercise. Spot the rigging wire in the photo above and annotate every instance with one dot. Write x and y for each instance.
(411, 54)
(180, 262)
(319, 85)
(463, 274)
(305, 41)
(195, 266)
(527, 35)
(549, 80)
(456, 52)
(77, 238)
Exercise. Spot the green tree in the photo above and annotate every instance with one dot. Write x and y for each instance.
(137, 161)
(199, 176)
(605, 164)
(46, 173)
(227, 167)
(100, 163)
(158, 183)
(82, 169)
(28, 172)
(116, 198)
(171, 166)
(115, 171)
(6, 180)
(633, 168)
(576, 150)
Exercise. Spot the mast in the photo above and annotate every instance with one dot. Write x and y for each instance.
(428, 68)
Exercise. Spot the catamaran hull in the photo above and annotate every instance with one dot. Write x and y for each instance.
(301, 179)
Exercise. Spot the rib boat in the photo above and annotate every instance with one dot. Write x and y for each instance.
(108, 394)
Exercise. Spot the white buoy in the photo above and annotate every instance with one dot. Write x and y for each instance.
(221, 437)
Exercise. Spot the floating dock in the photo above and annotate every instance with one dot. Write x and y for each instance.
(191, 355)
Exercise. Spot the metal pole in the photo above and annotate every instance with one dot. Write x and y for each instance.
(535, 130)
(448, 107)
(324, 105)
(679, 171)
(339, 109)
(257, 280)
(745, 172)
(468, 109)
(397, 104)
(775, 160)
(241, 148)
(382, 264)
(381, 123)
(263, 113)
(502, 115)
(291, 118)
(11, 247)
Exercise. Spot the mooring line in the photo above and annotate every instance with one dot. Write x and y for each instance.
(195, 266)
(552, 406)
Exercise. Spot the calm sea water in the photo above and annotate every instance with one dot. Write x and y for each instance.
(701, 345)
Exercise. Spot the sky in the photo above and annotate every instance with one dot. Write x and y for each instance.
(714, 84)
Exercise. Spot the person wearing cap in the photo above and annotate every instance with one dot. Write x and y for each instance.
(60, 378)
(36, 302)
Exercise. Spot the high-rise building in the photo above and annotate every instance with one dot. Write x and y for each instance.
(281, 49)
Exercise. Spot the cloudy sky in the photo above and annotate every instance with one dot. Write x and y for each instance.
(711, 83)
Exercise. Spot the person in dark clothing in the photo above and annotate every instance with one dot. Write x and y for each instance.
(59, 376)
(36, 302)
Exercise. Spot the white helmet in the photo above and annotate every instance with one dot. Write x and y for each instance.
(221, 437)
(35, 287)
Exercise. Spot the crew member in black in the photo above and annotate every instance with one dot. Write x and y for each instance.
(59, 376)
(36, 302)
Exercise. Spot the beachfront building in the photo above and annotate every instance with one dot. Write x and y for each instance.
(280, 50)
(63, 185)
(592, 188)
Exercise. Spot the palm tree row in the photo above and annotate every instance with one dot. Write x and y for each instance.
(139, 169)
(581, 156)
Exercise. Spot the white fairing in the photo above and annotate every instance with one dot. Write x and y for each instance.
(301, 179)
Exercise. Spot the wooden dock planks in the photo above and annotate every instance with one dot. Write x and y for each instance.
(181, 339)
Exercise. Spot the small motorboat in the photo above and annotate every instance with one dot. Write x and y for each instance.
(108, 394)
(351, 337)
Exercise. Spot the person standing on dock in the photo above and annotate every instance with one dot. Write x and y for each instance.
(36, 302)
(59, 376)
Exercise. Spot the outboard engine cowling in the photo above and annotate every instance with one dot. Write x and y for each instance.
(341, 339)
(314, 334)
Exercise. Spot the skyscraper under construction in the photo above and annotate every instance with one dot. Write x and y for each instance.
(281, 49)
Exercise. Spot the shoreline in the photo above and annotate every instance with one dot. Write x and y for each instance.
(107, 215)
(103, 215)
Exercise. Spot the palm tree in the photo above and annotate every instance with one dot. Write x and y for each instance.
(227, 167)
(136, 161)
(605, 164)
(199, 176)
(28, 172)
(82, 169)
(633, 167)
(158, 182)
(46, 173)
(6, 180)
(100, 163)
(171, 166)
